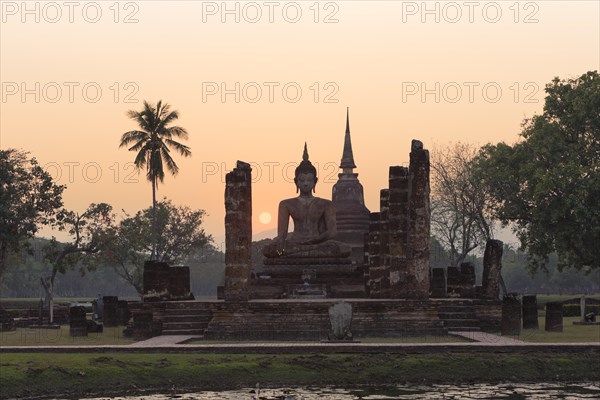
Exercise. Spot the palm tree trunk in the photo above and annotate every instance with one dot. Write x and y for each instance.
(154, 238)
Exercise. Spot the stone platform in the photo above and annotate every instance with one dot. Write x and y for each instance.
(308, 278)
(308, 319)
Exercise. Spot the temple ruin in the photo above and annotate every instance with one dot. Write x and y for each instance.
(378, 262)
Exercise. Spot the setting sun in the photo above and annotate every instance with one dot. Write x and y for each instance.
(264, 218)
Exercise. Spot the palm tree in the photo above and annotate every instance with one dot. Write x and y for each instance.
(153, 143)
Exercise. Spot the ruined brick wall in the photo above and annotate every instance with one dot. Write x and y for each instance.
(238, 232)
(398, 261)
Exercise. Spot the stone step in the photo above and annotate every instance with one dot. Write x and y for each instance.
(191, 312)
(464, 329)
(167, 326)
(452, 323)
(457, 315)
(187, 318)
(456, 308)
(194, 332)
(186, 306)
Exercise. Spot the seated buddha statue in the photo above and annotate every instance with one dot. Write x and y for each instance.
(314, 221)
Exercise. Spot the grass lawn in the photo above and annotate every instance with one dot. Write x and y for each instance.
(571, 333)
(61, 337)
(72, 375)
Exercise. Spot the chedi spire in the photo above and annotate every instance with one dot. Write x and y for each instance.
(347, 164)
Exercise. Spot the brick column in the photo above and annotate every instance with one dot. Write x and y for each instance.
(373, 256)
(492, 264)
(238, 232)
(419, 220)
(398, 236)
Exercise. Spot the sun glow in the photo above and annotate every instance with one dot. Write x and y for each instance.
(264, 218)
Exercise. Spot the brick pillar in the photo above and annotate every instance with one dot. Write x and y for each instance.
(438, 283)
(142, 325)
(123, 313)
(530, 312)
(398, 237)
(110, 317)
(77, 321)
(511, 316)
(374, 255)
(384, 242)
(238, 232)
(492, 264)
(554, 317)
(419, 220)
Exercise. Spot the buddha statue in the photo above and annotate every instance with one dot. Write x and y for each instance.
(314, 222)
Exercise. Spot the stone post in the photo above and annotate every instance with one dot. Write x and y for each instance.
(419, 219)
(110, 316)
(530, 312)
(142, 325)
(554, 317)
(492, 264)
(77, 322)
(511, 316)
(438, 283)
(467, 273)
(582, 308)
(123, 312)
(238, 232)
(453, 281)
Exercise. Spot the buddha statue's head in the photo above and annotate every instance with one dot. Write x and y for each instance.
(305, 176)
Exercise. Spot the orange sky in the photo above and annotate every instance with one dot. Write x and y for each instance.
(376, 59)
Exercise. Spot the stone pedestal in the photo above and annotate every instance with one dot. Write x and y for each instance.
(110, 316)
(77, 321)
(554, 317)
(530, 312)
(238, 232)
(492, 265)
(309, 278)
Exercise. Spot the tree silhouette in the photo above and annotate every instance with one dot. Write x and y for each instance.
(153, 144)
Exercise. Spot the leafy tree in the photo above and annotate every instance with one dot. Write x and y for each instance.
(91, 233)
(548, 184)
(180, 234)
(28, 198)
(153, 144)
(458, 202)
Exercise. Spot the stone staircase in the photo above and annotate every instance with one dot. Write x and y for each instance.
(186, 318)
(459, 317)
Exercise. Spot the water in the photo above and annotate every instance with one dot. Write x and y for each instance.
(513, 391)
